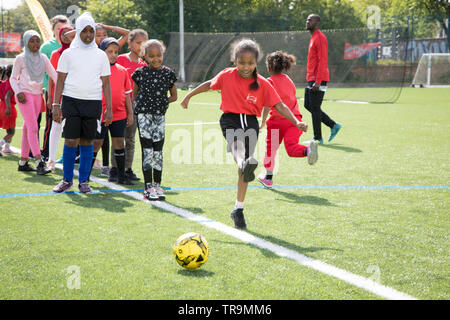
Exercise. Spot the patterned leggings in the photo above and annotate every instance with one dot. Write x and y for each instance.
(151, 135)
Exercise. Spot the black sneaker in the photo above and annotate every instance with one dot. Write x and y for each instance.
(26, 167)
(42, 169)
(125, 180)
(238, 217)
(131, 175)
(113, 175)
(248, 169)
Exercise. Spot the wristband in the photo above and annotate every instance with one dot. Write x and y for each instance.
(56, 104)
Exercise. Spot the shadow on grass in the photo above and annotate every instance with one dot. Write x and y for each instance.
(196, 273)
(111, 202)
(305, 199)
(340, 148)
(288, 245)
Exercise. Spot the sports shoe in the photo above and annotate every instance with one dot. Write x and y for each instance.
(268, 183)
(42, 169)
(26, 167)
(7, 150)
(63, 186)
(312, 153)
(113, 175)
(51, 165)
(60, 160)
(334, 131)
(84, 187)
(248, 168)
(131, 175)
(159, 191)
(124, 180)
(306, 143)
(150, 194)
(105, 171)
(238, 217)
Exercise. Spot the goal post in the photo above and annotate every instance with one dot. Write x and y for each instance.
(433, 71)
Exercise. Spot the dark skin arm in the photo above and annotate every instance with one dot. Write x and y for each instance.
(173, 94)
(108, 101)
(8, 96)
(204, 87)
(56, 109)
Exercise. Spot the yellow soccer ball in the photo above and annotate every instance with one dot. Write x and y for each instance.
(191, 250)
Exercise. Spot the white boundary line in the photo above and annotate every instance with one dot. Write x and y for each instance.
(353, 279)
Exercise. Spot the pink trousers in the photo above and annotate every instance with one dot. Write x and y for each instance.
(30, 136)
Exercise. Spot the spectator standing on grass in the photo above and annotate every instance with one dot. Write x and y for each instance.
(317, 76)
(66, 35)
(26, 81)
(131, 61)
(83, 73)
(121, 109)
(151, 84)
(8, 112)
(47, 48)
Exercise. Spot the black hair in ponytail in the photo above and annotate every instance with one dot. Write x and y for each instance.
(247, 45)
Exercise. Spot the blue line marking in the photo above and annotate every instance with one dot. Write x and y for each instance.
(231, 188)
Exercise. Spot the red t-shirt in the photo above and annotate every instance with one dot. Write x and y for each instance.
(317, 66)
(286, 90)
(131, 66)
(120, 86)
(54, 61)
(5, 86)
(237, 96)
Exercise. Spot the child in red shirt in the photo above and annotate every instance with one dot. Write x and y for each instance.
(244, 94)
(278, 127)
(121, 108)
(131, 61)
(8, 112)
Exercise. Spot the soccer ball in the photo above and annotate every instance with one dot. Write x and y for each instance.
(191, 250)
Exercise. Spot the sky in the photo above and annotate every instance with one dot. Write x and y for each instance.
(11, 4)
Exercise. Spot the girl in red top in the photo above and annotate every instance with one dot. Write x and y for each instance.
(131, 61)
(66, 35)
(8, 112)
(278, 127)
(244, 94)
(121, 108)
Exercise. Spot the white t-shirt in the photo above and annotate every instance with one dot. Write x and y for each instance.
(84, 67)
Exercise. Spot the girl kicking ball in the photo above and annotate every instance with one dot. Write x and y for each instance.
(244, 94)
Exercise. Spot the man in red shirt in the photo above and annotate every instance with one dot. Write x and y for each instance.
(317, 76)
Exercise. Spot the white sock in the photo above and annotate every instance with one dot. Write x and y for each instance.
(22, 162)
(239, 205)
(2, 142)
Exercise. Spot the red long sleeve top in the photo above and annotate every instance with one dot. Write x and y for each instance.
(317, 66)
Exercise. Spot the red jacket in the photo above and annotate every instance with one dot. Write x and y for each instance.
(317, 66)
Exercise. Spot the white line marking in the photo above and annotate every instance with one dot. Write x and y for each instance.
(353, 279)
(356, 280)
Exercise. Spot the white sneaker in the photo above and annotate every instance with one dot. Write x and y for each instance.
(159, 191)
(7, 150)
(151, 194)
(313, 154)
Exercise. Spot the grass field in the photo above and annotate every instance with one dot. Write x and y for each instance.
(121, 247)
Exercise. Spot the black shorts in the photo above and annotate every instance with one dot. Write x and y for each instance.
(116, 128)
(82, 118)
(238, 126)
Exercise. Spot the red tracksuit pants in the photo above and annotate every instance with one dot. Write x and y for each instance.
(279, 130)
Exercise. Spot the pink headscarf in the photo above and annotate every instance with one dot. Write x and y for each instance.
(64, 46)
